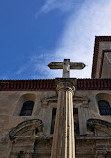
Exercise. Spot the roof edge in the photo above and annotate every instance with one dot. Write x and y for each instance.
(35, 85)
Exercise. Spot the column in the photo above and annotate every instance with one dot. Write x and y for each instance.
(63, 140)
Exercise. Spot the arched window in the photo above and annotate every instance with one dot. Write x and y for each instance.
(27, 108)
(104, 107)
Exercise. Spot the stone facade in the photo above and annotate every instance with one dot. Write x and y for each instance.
(32, 136)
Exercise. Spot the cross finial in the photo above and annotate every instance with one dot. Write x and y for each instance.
(66, 66)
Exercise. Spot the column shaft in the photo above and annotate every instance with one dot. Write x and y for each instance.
(63, 140)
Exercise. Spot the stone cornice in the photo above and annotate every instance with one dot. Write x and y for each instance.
(98, 39)
(36, 85)
(27, 85)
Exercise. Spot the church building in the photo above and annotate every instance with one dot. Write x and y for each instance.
(28, 113)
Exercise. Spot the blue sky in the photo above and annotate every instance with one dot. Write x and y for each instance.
(35, 33)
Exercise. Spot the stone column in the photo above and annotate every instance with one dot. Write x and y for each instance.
(63, 140)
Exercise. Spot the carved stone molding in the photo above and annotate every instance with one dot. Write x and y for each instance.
(78, 101)
(46, 101)
(99, 127)
(65, 83)
(81, 101)
(27, 128)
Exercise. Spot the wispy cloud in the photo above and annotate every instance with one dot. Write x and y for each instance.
(77, 39)
(36, 66)
(61, 5)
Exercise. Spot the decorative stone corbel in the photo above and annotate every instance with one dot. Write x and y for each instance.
(81, 101)
(45, 102)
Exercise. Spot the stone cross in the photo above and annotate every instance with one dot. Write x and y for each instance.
(63, 145)
(66, 66)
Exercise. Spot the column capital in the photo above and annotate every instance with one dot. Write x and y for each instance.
(66, 84)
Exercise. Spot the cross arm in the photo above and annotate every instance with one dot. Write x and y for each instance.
(77, 65)
(59, 65)
(55, 65)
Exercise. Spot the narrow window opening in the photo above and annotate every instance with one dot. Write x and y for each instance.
(36, 131)
(53, 120)
(76, 121)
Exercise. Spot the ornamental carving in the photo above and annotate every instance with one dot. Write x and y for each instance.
(99, 127)
(26, 128)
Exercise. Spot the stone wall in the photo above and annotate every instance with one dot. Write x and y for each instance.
(86, 102)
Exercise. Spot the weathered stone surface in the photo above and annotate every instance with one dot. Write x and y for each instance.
(86, 100)
(63, 140)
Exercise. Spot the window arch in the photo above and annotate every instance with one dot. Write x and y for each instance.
(104, 107)
(27, 108)
(21, 101)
